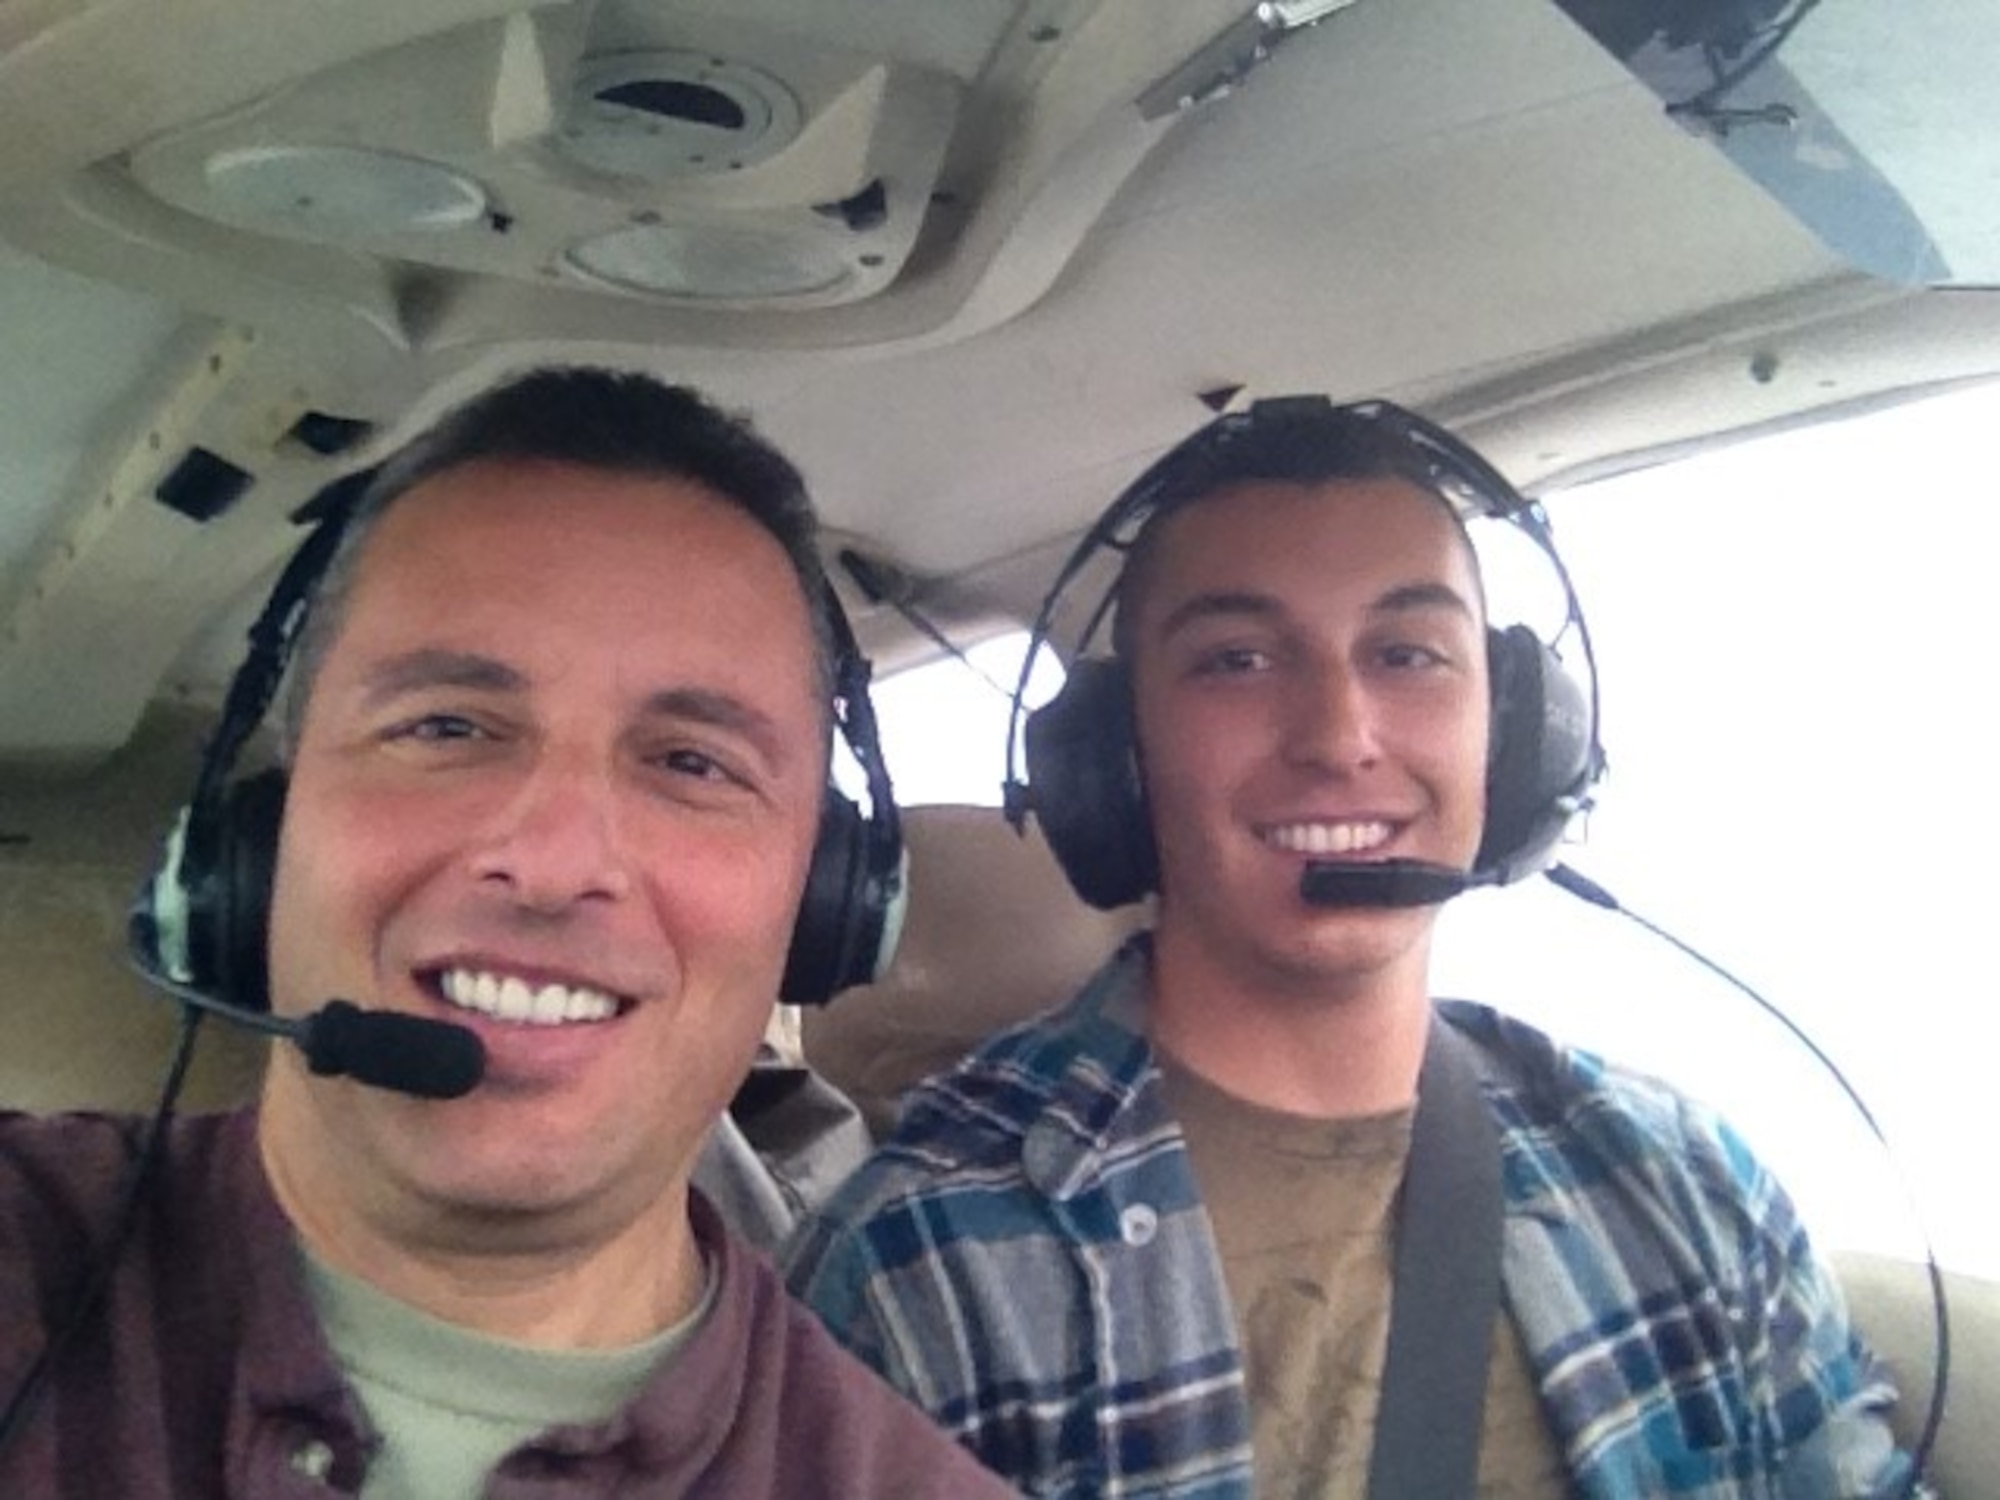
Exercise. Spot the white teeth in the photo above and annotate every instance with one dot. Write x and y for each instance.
(516, 1000)
(513, 999)
(1327, 838)
(549, 1005)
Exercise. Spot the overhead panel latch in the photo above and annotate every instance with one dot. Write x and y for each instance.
(1218, 67)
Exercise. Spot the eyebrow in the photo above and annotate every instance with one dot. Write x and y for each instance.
(1412, 596)
(419, 671)
(415, 671)
(721, 711)
(1403, 598)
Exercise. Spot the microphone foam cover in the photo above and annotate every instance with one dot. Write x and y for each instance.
(409, 1054)
(1390, 883)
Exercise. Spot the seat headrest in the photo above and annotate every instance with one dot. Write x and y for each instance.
(993, 935)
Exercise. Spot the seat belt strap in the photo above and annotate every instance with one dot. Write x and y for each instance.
(1446, 1270)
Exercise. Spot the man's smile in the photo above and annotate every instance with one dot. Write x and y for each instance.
(508, 997)
(1316, 838)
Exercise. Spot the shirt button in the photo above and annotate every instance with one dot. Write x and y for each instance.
(314, 1459)
(1138, 1224)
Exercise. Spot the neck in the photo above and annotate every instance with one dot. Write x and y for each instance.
(551, 1280)
(1330, 1047)
(612, 1296)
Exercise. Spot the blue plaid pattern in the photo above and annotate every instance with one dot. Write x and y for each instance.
(1027, 1259)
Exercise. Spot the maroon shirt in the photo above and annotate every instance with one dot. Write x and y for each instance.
(205, 1372)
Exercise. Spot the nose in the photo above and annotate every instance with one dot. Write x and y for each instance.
(554, 841)
(1331, 719)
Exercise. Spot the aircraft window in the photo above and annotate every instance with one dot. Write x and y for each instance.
(1793, 637)
(944, 724)
(1872, 121)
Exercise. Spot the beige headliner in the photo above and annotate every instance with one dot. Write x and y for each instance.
(1467, 207)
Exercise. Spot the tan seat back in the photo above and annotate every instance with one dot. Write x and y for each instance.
(1890, 1300)
(993, 935)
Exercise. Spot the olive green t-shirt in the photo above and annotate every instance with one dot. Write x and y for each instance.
(1304, 1213)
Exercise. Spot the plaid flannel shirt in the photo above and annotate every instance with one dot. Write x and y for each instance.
(1028, 1260)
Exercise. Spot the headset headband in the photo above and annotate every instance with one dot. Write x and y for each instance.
(273, 636)
(854, 713)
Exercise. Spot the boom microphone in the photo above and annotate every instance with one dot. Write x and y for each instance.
(1386, 883)
(383, 1048)
(410, 1054)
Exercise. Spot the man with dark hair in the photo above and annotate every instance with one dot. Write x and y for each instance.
(1171, 1239)
(554, 777)
(597, 419)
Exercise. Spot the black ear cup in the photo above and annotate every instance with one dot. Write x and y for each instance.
(202, 916)
(851, 909)
(849, 914)
(1089, 796)
(239, 907)
(1538, 761)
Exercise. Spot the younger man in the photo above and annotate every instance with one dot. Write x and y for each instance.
(1151, 1244)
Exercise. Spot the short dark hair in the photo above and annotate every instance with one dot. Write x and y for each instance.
(1291, 440)
(614, 421)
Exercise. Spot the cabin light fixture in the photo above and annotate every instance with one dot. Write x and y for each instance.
(343, 189)
(708, 264)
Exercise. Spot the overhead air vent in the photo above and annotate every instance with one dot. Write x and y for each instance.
(655, 116)
(202, 485)
(328, 435)
(418, 178)
(676, 99)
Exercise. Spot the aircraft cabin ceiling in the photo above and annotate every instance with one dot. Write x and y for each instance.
(971, 263)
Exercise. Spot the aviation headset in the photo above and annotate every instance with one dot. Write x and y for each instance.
(1085, 784)
(202, 917)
